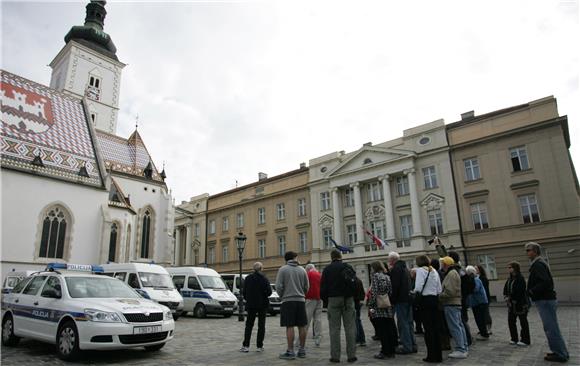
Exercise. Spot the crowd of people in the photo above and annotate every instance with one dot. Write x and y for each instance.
(433, 298)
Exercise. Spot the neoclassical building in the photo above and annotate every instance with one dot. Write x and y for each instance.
(400, 190)
(72, 190)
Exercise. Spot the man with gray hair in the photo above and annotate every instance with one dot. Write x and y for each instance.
(256, 290)
(541, 291)
(401, 280)
(313, 303)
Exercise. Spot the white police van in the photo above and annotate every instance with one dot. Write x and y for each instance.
(150, 280)
(233, 283)
(12, 278)
(203, 290)
(71, 307)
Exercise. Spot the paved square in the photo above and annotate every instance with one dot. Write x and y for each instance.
(215, 341)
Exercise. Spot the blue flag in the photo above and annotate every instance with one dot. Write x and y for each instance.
(342, 249)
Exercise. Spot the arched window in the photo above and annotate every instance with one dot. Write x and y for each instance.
(54, 233)
(145, 234)
(113, 243)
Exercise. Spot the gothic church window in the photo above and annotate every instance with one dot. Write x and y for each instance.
(113, 243)
(55, 230)
(146, 234)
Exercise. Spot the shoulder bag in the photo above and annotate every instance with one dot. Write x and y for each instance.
(418, 296)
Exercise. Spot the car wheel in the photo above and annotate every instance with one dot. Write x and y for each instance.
(8, 337)
(228, 315)
(67, 341)
(154, 348)
(199, 311)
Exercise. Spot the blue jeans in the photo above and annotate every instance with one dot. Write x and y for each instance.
(360, 332)
(547, 311)
(404, 314)
(456, 329)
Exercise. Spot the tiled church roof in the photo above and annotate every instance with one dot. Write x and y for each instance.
(128, 156)
(40, 121)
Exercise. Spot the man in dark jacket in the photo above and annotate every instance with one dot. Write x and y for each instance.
(401, 280)
(336, 291)
(256, 291)
(541, 291)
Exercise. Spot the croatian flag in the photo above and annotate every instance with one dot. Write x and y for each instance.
(378, 241)
(343, 249)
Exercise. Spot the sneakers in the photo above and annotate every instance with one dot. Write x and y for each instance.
(288, 355)
(245, 349)
(260, 349)
(513, 343)
(522, 344)
(317, 340)
(458, 354)
(301, 353)
(555, 358)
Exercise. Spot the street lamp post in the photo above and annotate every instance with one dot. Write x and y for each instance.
(240, 244)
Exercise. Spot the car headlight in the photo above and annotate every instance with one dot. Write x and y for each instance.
(102, 316)
(168, 315)
(214, 302)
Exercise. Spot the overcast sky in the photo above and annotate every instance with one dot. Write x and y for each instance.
(226, 89)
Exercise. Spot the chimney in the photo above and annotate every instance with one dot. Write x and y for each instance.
(368, 144)
(302, 165)
(262, 176)
(467, 115)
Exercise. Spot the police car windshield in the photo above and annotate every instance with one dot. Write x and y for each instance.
(156, 280)
(99, 287)
(212, 282)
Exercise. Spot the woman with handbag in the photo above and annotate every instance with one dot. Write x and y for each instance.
(518, 304)
(381, 310)
(426, 292)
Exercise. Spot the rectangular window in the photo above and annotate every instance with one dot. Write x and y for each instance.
(261, 215)
(281, 245)
(325, 201)
(303, 241)
(226, 224)
(211, 255)
(212, 227)
(196, 230)
(529, 207)
(378, 229)
(349, 197)
(436, 222)
(262, 248)
(488, 263)
(406, 231)
(471, 169)
(302, 207)
(351, 234)
(196, 257)
(280, 211)
(326, 236)
(519, 157)
(240, 220)
(430, 177)
(95, 82)
(375, 192)
(479, 216)
(225, 252)
(402, 186)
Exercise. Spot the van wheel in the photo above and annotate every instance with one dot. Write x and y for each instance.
(199, 311)
(67, 341)
(8, 337)
(154, 348)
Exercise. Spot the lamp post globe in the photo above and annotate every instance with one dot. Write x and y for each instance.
(240, 245)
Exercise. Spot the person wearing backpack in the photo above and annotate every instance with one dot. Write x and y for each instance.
(337, 290)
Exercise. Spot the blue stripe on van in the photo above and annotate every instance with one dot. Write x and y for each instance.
(195, 294)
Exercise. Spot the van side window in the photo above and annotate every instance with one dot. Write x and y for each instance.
(193, 284)
(121, 276)
(133, 281)
(178, 281)
(229, 282)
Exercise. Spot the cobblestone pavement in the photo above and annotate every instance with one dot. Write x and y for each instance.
(215, 341)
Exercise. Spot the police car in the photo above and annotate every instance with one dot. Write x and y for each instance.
(71, 307)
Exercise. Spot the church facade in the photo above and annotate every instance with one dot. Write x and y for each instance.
(72, 190)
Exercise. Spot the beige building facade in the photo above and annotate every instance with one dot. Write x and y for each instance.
(190, 230)
(515, 182)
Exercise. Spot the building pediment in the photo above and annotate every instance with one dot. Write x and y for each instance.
(369, 156)
(325, 220)
(374, 213)
(432, 201)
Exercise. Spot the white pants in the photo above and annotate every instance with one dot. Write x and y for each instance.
(313, 314)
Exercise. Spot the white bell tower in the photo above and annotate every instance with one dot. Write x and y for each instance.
(88, 67)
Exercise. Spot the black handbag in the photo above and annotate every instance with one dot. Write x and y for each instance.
(417, 297)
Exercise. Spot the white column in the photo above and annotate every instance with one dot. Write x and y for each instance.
(337, 216)
(358, 213)
(176, 255)
(389, 217)
(415, 207)
(188, 242)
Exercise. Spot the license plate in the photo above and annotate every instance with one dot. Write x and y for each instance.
(146, 330)
(228, 309)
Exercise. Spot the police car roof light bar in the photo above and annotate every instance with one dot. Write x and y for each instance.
(74, 267)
